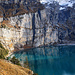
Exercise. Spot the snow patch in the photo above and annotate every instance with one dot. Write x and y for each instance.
(66, 2)
(62, 8)
(46, 1)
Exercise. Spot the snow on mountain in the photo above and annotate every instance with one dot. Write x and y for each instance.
(46, 1)
(66, 2)
(61, 2)
(61, 8)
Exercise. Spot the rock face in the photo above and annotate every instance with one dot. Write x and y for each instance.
(31, 29)
(65, 21)
(53, 24)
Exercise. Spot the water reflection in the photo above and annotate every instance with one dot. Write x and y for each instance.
(50, 60)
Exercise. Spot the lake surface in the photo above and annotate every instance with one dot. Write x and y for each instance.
(50, 60)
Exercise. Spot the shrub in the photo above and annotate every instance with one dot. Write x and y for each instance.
(15, 61)
(7, 58)
(3, 52)
(1, 46)
(2, 57)
(3, 26)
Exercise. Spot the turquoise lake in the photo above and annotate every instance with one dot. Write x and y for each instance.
(50, 60)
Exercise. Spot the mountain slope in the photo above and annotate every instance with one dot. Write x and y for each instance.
(11, 69)
(64, 19)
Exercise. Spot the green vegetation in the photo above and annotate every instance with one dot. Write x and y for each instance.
(3, 52)
(1, 46)
(15, 61)
(3, 26)
(35, 74)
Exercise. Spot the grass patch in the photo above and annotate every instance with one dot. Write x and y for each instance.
(3, 52)
(11, 69)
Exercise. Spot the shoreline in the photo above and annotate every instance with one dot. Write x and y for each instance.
(66, 44)
(10, 53)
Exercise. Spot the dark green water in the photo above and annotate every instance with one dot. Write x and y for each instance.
(50, 60)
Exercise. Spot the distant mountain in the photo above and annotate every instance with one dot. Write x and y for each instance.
(62, 16)
(61, 2)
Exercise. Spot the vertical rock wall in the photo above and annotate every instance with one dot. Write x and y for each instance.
(33, 30)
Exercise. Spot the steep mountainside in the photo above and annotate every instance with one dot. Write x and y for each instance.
(64, 19)
(7, 68)
(35, 24)
(31, 30)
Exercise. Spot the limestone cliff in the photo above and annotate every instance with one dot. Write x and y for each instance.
(31, 29)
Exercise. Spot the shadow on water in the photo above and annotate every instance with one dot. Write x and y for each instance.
(50, 60)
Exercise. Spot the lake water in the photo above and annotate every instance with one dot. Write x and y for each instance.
(50, 60)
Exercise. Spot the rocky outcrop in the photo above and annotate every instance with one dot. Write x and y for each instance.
(31, 29)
